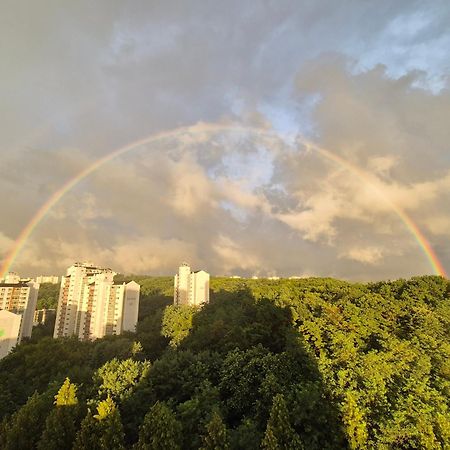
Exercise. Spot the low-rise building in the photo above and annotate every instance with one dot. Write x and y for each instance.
(42, 316)
(52, 279)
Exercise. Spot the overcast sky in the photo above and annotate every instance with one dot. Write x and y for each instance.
(367, 81)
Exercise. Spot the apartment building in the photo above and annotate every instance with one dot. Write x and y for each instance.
(9, 331)
(18, 300)
(191, 288)
(91, 306)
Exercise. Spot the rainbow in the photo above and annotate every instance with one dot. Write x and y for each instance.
(421, 239)
(206, 129)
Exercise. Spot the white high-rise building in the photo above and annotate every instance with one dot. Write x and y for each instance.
(17, 305)
(190, 288)
(91, 306)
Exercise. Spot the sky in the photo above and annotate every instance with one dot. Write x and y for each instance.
(272, 138)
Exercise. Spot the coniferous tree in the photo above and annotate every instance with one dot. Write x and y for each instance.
(67, 394)
(103, 431)
(279, 433)
(25, 426)
(216, 437)
(87, 436)
(4, 427)
(62, 423)
(160, 430)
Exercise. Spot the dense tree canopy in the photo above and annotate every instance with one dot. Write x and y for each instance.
(48, 296)
(311, 363)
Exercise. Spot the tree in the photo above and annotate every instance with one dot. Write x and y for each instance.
(137, 350)
(67, 394)
(279, 432)
(102, 431)
(24, 428)
(216, 437)
(177, 323)
(60, 428)
(4, 428)
(47, 296)
(246, 435)
(160, 429)
(87, 436)
(62, 423)
(118, 378)
(353, 418)
(196, 412)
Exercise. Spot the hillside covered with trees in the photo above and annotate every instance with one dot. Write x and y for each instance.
(274, 364)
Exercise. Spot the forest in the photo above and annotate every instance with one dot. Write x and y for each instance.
(314, 363)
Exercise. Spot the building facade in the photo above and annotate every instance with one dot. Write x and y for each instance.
(53, 279)
(9, 331)
(190, 288)
(43, 316)
(18, 298)
(91, 306)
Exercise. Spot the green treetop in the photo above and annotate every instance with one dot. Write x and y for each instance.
(160, 430)
(216, 437)
(279, 432)
(67, 394)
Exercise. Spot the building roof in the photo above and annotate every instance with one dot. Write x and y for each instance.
(21, 284)
(8, 314)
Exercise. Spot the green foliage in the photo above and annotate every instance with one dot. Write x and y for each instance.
(160, 430)
(279, 432)
(177, 323)
(48, 296)
(355, 423)
(216, 437)
(67, 394)
(87, 436)
(195, 413)
(246, 435)
(103, 430)
(137, 349)
(237, 320)
(105, 409)
(118, 378)
(62, 423)
(25, 426)
(61, 427)
(313, 363)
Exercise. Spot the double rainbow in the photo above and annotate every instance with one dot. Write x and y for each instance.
(206, 129)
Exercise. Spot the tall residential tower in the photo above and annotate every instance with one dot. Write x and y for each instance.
(91, 306)
(17, 305)
(191, 288)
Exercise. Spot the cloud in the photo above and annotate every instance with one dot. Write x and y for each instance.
(151, 255)
(367, 255)
(233, 257)
(369, 83)
(5, 246)
(192, 189)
